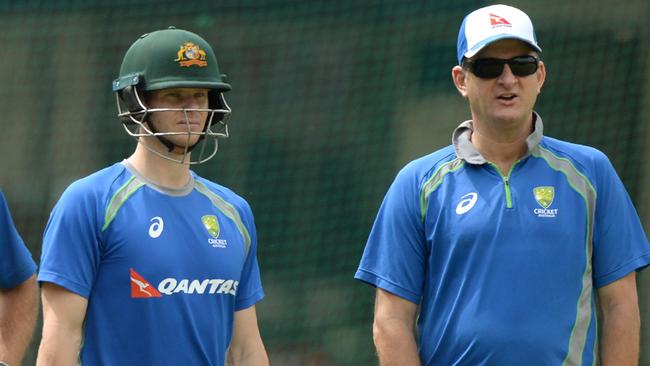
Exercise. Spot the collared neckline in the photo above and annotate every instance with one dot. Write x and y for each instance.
(166, 190)
(465, 150)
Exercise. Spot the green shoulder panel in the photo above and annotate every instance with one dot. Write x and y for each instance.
(227, 209)
(436, 179)
(581, 184)
(118, 199)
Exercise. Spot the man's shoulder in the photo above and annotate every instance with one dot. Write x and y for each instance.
(100, 184)
(425, 166)
(221, 191)
(587, 161)
(582, 155)
(3, 203)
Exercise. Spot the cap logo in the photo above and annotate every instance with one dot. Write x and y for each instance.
(499, 21)
(191, 55)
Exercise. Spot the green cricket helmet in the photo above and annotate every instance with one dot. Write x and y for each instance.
(172, 58)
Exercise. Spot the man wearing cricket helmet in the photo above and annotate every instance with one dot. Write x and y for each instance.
(145, 262)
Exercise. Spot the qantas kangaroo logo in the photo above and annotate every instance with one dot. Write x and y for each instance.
(141, 288)
(496, 20)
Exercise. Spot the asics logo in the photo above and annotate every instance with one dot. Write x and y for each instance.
(466, 203)
(156, 227)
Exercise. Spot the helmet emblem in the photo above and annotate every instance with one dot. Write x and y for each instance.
(190, 54)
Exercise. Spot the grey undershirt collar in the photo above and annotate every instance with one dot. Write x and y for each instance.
(465, 150)
(185, 190)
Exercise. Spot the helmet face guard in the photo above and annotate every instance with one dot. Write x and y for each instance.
(172, 58)
(136, 123)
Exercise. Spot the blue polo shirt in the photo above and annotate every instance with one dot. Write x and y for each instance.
(505, 268)
(16, 263)
(164, 271)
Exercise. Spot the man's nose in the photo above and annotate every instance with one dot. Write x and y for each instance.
(507, 76)
(191, 102)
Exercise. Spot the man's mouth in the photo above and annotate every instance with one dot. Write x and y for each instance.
(507, 97)
(186, 123)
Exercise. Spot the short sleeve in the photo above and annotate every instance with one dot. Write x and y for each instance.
(620, 244)
(250, 289)
(16, 263)
(71, 243)
(395, 254)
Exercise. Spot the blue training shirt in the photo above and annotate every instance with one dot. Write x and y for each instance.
(163, 270)
(504, 267)
(16, 263)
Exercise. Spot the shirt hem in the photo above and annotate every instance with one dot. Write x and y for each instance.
(384, 284)
(19, 276)
(636, 264)
(249, 301)
(59, 280)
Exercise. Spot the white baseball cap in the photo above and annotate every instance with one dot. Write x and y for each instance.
(492, 23)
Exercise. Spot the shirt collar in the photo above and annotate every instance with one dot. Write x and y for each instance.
(188, 188)
(466, 150)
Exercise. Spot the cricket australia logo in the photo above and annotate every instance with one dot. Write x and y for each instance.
(211, 224)
(191, 55)
(544, 196)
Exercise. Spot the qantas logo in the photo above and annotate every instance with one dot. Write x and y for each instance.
(499, 21)
(141, 288)
(170, 286)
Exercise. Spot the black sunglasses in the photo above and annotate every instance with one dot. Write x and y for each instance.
(490, 68)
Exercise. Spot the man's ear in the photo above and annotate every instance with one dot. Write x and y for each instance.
(541, 76)
(459, 75)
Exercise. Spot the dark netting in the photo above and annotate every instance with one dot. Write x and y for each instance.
(330, 98)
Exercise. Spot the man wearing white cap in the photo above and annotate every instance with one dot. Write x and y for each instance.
(506, 241)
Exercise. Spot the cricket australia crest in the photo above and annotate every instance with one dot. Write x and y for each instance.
(544, 196)
(211, 225)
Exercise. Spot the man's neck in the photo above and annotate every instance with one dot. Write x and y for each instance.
(502, 144)
(162, 172)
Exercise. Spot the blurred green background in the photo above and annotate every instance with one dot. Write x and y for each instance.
(330, 98)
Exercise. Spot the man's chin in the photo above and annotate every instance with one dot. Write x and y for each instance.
(511, 116)
(182, 148)
(181, 145)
